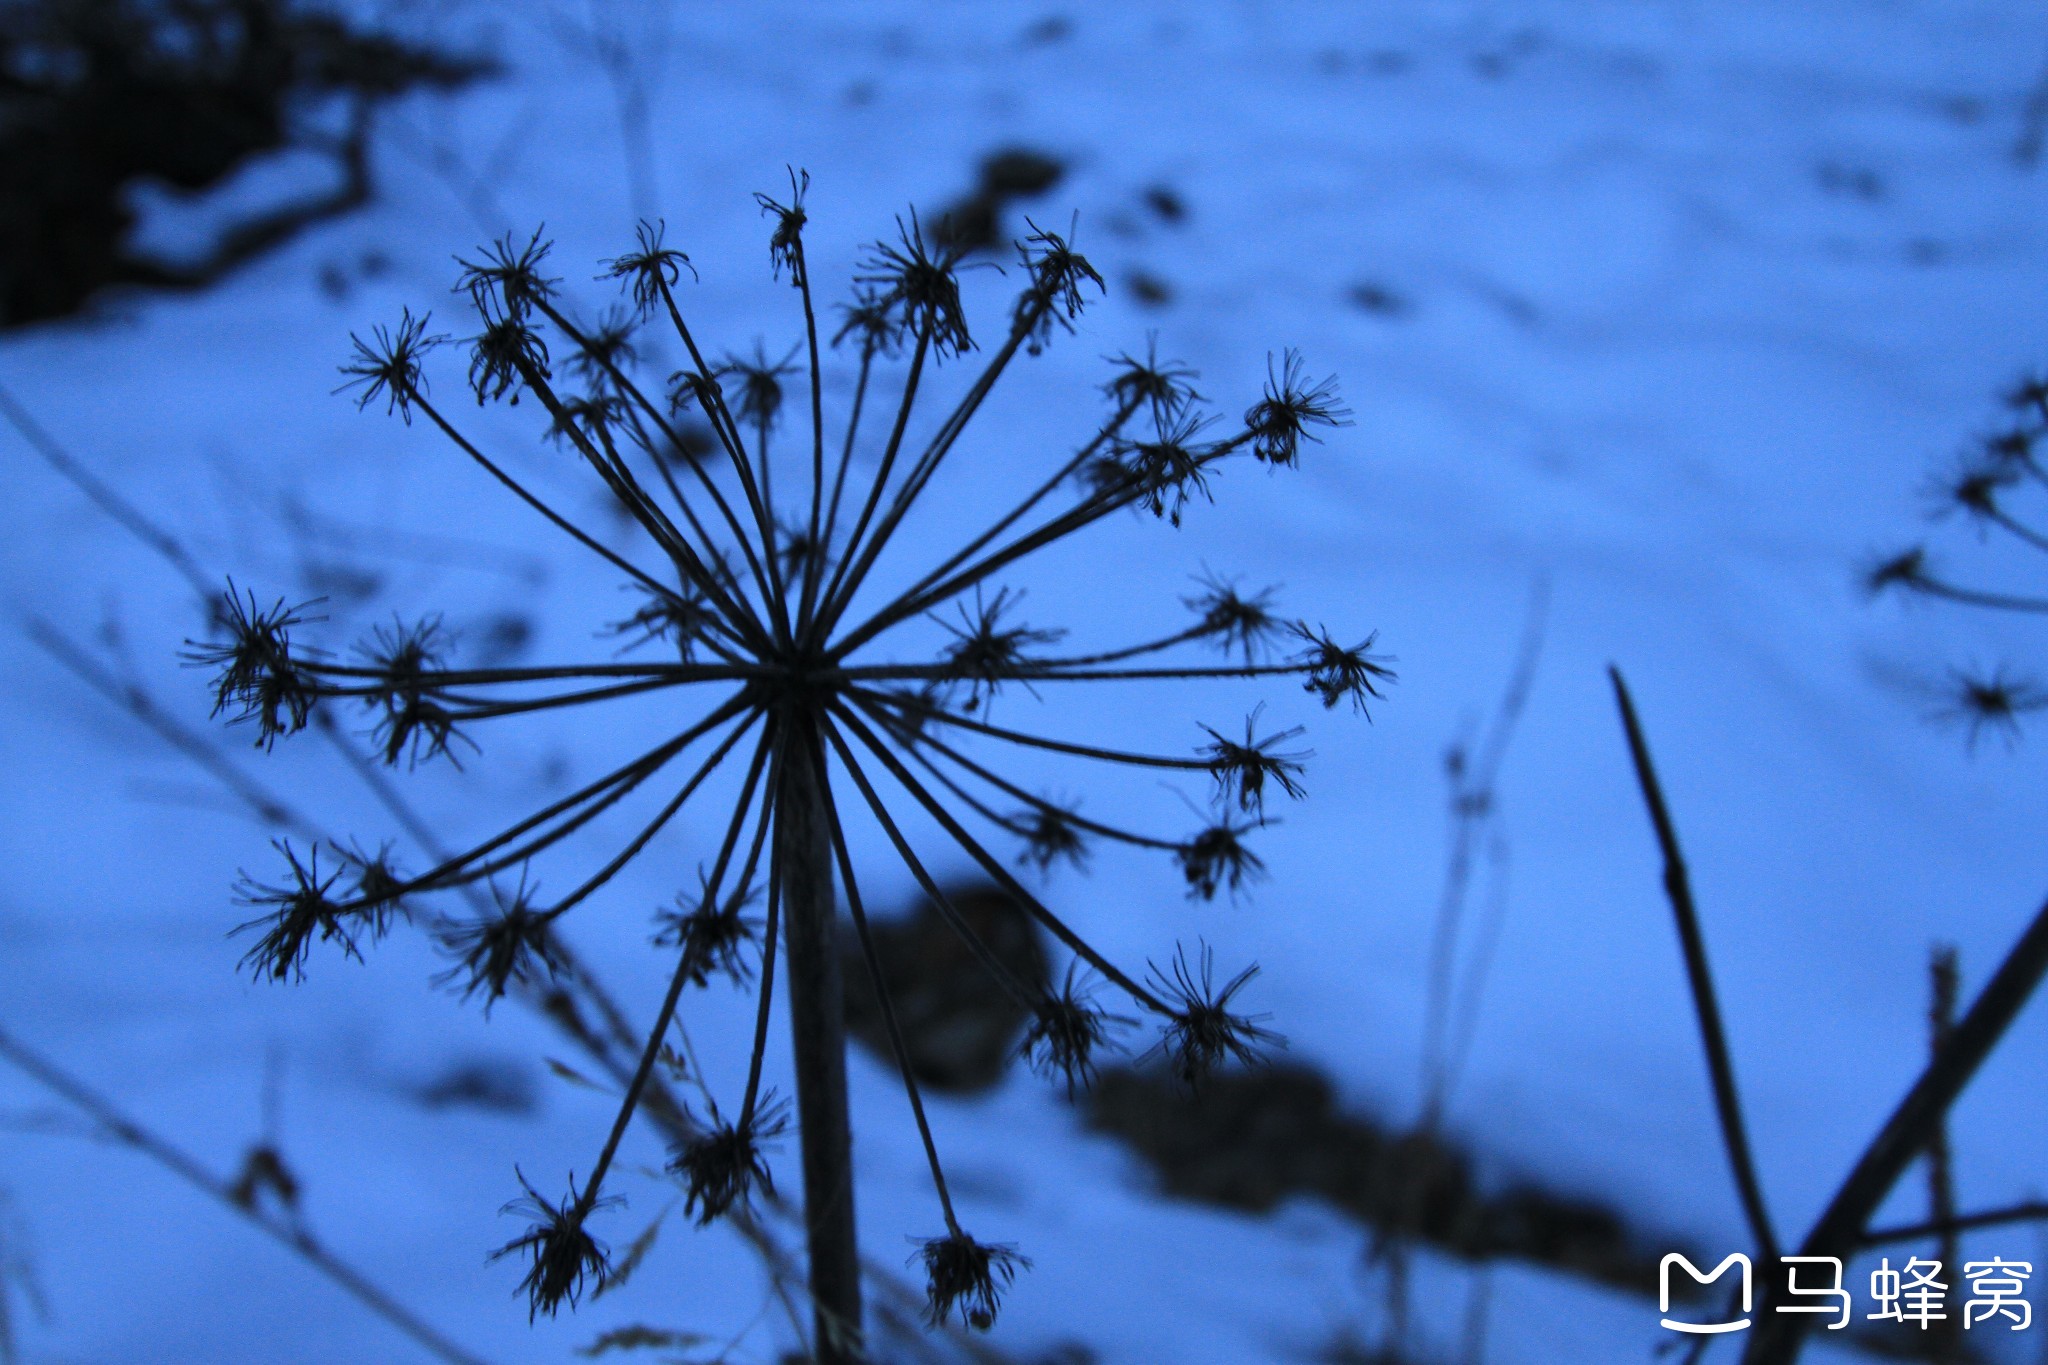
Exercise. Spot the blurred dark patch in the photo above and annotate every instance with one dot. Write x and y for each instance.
(493, 1085)
(336, 581)
(502, 637)
(975, 221)
(1856, 182)
(1926, 251)
(1251, 1139)
(694, 440)
(98, 97)
(1497, 63)
(1054, 28)
(1963, 109)
(1148, 289)
(1170, 207)
(1388, 62)
(960, 1028)
(1376, 298)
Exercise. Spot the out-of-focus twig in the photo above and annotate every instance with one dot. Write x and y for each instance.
(300, 1242)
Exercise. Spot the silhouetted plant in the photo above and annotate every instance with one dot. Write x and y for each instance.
(1997, 486)
(756, 600)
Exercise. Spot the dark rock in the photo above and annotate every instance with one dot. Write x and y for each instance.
(100, 96)
(974, 222)
(1250, 1139)
(960, 1028)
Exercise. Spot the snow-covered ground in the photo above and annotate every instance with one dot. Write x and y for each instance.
(1679, 303)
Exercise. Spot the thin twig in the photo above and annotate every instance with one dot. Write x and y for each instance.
(1678, 887)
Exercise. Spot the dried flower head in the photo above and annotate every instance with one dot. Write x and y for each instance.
(1906, 570)
(1057, 273)
(509, 275)
(1161, 388)
(964, 1275)
(604, 352)
(1164, 471)
(785, 244)
(1336, 674)
(378, 895)
(1994, 700)
(504, 356)
(757, 560)
(1050, 835)
(1066, 1030)
(259, 677)
(985, 653)
(684, 618)
(561, 1254)
(714, 931)
(411, 720)
(493, 952)
(295, 913)
(1280, 420)
(722, 1165)
(1216, 858)
(760, 383)
(389, 364)
(652, 270)
(919, 289)
(1242, 770)
(1203, 1033)
(1235, 622)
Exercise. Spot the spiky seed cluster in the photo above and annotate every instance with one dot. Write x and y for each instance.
(714, 932)
(651, 270)
(768, 603)
(1242, 770)
(968, 1277)
(1281, 420)
(1204, 1033)
(1238, 624)
(389, 365)
(1057, 273)
(509, 275)
(411, 720)
(760, 384)
(985, 653)
(296, 913)
(504, 357)
(1050, 836)
(561, 1255)
(259, 678)
(494, 952)
(1997, 486)
(1162, 389)
(1338, 674)
(723, 1165)
(917, 288)
(1994, 701)
(785, 244)
(605, 351)
(1065, 1033)
(684, 618)
(1164, 471)
(1216, 858)
(379, 892)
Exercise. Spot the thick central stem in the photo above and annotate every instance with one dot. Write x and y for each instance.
(817, 1016)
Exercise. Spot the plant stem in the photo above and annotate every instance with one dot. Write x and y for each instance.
(817, 1017)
